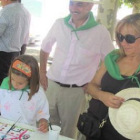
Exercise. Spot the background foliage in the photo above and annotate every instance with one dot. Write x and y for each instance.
(130, 3)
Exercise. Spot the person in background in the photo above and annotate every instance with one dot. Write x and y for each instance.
(120, 70)
(23, 47)
(81, 43)
(22, 96)
(14, 32)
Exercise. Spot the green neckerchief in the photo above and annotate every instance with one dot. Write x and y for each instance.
(5, 85)
(113, 69)
(89, 24)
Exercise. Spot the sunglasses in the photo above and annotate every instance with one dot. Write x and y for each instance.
(128, 38)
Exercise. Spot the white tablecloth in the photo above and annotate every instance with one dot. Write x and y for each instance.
(38, 135)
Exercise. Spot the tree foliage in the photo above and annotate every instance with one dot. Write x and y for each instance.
(130, 3)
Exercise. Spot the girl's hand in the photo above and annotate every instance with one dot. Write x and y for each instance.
(43, 125)
(111, 100)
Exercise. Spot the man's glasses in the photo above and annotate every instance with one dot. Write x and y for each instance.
(128, 38)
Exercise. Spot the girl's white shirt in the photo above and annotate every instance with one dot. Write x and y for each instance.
(12, 107)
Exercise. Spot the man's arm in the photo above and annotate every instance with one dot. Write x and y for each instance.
(43, 69)
(106, 44)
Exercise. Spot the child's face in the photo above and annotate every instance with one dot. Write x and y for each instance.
(19, 82)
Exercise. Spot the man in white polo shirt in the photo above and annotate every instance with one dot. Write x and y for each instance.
(81, 43)
(14, 32)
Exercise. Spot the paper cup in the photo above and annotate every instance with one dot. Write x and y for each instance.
(54, 133)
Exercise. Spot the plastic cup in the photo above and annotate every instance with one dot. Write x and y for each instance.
(54, 133)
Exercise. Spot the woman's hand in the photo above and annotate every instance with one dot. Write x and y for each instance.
(43, 125)
(85, 88)
(111, 100)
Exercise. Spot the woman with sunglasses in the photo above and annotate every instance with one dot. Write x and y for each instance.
(120, 70)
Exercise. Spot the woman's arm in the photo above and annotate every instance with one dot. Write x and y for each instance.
(94, 89)
(94, 86)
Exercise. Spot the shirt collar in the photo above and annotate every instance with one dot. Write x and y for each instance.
(71, 22)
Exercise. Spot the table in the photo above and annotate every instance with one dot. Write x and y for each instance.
(35, 135)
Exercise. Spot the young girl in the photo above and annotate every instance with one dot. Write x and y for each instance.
(22, 96)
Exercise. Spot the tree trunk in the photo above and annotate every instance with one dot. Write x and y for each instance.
(136, 9)
(107, 12)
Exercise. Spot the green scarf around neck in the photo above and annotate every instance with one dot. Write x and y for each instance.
(113, 69)
(5, 85)
(89, 24)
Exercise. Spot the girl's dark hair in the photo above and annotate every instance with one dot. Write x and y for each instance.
(34, 79)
